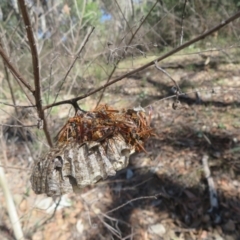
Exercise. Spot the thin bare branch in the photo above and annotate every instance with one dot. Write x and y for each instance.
(11, 208)
(166, 73)
(15, 168)
(19, 126)
(183, 15)
(10, 87)
(34, 51)
(175, 50)
(143, 21)
(115, 65)
(40, 226)
(35, 62)
(133, 200)
(15, 72)
(212, 190)
(16, 106)
(18, 77)
(75, 59)
(123, 16)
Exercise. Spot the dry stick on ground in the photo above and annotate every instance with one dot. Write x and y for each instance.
(132, 200)
(15, 222)
(175, 50)
(39, 226)
(116, 220)
(101, 217)
(115, 65)
(211, 186)
(35, 62)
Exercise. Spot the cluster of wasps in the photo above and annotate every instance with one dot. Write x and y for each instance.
(105, 122)
(90, 147)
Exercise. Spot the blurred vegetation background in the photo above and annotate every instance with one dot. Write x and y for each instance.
(127, 35)
(123, 29)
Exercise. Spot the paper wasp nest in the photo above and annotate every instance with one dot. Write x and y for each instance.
(90, 147)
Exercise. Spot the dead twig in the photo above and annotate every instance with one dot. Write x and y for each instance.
(175, 50)
(15, 168)
(35, 62)
(19, 126)
(177, 91)
(75, 59)
(12, 212)
(166, 73)
(15, 72)
(16, 106)
(123, 16)
(40, 226)
(211, 186)
(10, 87)
(116, 232)
(125, 50)
(133, 200)
(184, 6)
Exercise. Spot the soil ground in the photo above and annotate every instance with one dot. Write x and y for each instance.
(164, 193)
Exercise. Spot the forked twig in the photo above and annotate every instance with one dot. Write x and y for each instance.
(133, 200)
(123, 16)
(74, 61)
(175, 50)
(15, 72)
(18, 77)
(35, 62)
(177, 91)
(101, 216)
(40, 226)
(16, 106)
(166, 73)
(115, 65)
(10, 87)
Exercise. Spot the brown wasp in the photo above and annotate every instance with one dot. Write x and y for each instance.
(105, 122)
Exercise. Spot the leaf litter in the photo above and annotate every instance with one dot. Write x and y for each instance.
(167, 195)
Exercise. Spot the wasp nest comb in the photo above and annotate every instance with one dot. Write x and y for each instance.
(91, 146)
